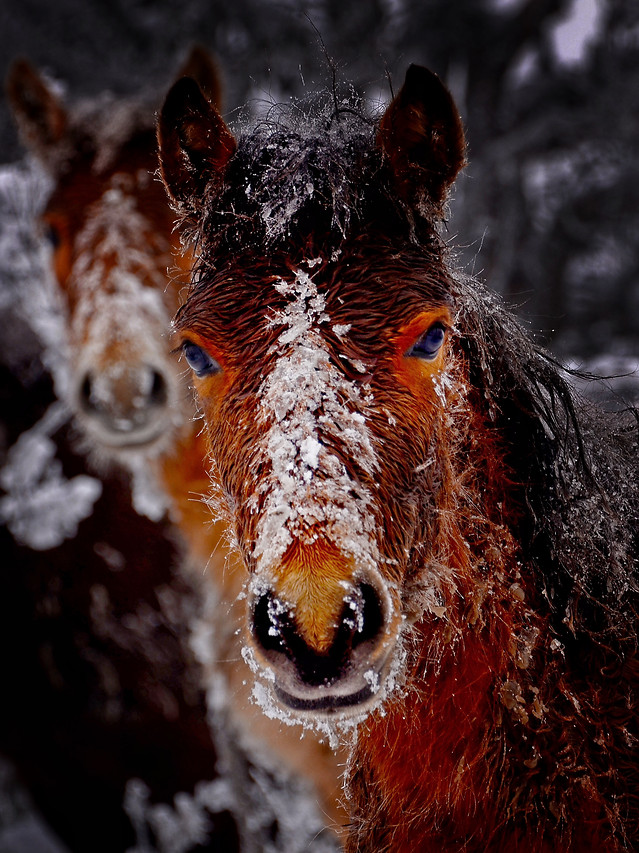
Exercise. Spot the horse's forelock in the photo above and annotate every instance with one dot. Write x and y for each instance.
(304, 180)
(101, 128)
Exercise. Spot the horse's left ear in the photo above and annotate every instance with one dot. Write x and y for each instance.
(39, 111)
(422, 135)
(195, 144)
(202, 67)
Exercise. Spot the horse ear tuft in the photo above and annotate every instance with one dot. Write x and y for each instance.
(422, 135)
(195, 144)
(40, 114)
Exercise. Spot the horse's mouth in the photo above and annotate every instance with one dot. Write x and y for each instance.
(126, 437)
(347, 700)
(359, 686)
(340, 678)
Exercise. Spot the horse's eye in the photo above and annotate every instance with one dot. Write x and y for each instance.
(52, 235)
(199, 360)
(429, 344)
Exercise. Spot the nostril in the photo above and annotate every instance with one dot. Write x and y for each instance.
(275, 631)
(269, 623)
(158, 393)
(368, 613)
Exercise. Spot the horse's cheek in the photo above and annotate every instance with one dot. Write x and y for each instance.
(419, 412)
(209, 394)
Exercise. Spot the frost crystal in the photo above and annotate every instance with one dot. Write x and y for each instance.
(310, 406)
(42, 508)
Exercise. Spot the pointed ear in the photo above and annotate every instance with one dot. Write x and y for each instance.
(194, 143)
(422, 135)
(201, 66)
(39, 112)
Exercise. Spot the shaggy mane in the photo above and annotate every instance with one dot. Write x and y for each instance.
(579, 468)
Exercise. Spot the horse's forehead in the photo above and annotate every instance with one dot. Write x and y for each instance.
(355, 294)
(82, 178)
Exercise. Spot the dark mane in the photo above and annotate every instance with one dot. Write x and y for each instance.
(578, 468)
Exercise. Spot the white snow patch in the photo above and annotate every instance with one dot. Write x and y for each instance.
(505, 6)
(309, 405)
(256, 795)
(372, 679)
(574, 33)
(42, 507)
(118, 280)
(442, 384)
(29, 288)
(176, 828)
(148, 497)
(342, 329)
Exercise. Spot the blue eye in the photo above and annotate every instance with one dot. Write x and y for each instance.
(52, 235)
(429, 344)
(199, 360)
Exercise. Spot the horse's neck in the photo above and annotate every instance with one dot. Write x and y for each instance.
(425, 760)
(432, 759)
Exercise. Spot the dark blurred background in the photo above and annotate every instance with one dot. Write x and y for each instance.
(547, 211)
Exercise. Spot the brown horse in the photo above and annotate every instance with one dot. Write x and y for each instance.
(440, 544)
(113, 240)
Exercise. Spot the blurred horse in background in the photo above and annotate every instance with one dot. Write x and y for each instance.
(441, 545)
(112, 239)
(113, 242)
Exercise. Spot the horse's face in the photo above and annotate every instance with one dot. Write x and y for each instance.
(326, 378)
(111, 234)
(111, 251)
(323, 398)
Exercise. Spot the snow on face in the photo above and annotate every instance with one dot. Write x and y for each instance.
(116, 250)
(118, 341)
(310, 406)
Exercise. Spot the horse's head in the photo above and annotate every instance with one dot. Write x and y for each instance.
(320, 329)
(111, 233)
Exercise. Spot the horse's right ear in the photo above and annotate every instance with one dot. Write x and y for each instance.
(202, 67)
(39, 112)
(195, 144)
(422, 136)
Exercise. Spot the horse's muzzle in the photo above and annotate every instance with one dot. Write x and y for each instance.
(338, 679)
(127, 408)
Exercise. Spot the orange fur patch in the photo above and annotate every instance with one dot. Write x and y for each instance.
(314, 579)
